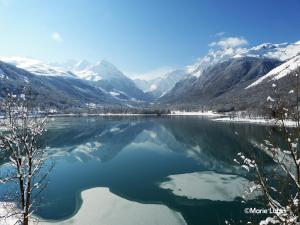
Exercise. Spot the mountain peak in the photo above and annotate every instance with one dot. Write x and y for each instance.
(106, 70)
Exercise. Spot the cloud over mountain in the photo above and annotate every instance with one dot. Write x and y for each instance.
(229, 42)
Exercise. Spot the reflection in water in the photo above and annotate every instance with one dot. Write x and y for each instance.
(92, 139)
(132, 156)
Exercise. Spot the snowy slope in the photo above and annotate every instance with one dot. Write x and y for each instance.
(279, 72)
(107, 70)
(36, 67)
(102, 70)
(88, 75)
(98, 71)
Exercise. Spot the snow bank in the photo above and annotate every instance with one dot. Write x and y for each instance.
(101, 207)
(199, 113)
(272, 122)
(100, 114)
(207, 185)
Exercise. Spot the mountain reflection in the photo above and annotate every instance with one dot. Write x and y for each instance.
(213, 145)
(92, 138)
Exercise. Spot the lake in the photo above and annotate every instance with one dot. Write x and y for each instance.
(132, 156)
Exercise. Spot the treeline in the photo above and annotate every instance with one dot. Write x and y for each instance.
(111, 110)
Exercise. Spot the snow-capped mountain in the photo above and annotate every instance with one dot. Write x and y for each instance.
(237, 78)
(280, 52)
(224, 78)
(221, 83)
(59, 92)
(103, 75)
(108, 77)
(37, 67)
(171, 85)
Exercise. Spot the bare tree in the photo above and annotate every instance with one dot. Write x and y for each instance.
(281, 186)
(20, 130)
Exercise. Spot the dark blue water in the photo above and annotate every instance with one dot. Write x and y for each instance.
(132, 155)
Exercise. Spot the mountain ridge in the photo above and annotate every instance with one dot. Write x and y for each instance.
(213, 81)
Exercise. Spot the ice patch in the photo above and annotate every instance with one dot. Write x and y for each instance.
(207, 185)
(101, 207)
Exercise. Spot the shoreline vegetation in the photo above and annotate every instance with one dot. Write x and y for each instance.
(211, 115)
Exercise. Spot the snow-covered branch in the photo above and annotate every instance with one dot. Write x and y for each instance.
(21, 127)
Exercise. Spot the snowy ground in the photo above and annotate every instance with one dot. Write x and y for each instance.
(199, 113)
(207, 185)
(98, 114)
(101, 207)
(225, 118)
(288, 123)
(173, 113)
(6, 217)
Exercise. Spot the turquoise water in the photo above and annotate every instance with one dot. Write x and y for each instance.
(133, 155)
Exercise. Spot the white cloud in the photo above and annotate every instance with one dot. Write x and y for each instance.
(229, 42)
(56, 37)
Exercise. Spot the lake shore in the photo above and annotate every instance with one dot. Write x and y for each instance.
(258, 120)
(215, 116)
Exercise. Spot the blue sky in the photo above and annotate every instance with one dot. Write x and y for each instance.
(140, 36)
